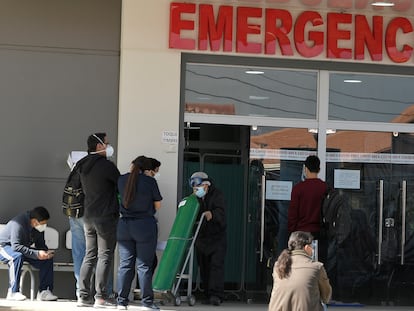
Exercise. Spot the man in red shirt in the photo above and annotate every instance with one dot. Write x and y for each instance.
(304, 212)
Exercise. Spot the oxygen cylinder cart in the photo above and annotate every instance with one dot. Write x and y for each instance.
(168, 275)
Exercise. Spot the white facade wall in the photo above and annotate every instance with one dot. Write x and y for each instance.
(149, 97)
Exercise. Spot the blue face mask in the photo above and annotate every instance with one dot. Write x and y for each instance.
(200, 192)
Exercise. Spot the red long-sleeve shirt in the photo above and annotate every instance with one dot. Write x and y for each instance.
(304, 212)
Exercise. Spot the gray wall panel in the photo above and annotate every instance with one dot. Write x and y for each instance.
(53, 100)
(59, 82)
(81, 24)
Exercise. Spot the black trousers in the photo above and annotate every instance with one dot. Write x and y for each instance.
(100, 246)
(211, 264)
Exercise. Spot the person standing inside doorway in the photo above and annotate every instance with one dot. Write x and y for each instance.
(211, 243)
(99, 178)
(304, 212)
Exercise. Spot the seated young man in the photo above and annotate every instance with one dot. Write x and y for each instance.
(16, 238)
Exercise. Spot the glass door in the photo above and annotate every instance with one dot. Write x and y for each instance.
(221, 151)
(375, 173)
(275, 165)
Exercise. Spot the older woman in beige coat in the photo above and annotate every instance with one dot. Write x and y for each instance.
(299, 284)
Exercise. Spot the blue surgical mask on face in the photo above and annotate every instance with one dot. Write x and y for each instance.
(200, 192)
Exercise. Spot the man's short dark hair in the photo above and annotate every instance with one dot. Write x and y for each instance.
(313, 163)
(93, 141)
(39, 213)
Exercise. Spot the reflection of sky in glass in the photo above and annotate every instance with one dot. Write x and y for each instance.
(276, 93)
(376, 99)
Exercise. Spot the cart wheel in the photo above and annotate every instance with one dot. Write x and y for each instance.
(177, 301)
(191, 300)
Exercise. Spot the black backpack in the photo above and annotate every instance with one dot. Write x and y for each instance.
(73, 195)
(335, 216)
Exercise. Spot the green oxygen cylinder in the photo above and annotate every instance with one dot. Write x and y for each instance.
(178, 241)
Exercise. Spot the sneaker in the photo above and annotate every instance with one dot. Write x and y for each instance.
(16, 296)
(113, 296)
(149, 307)
(84, 303)
(104, 303)
(46, 295)
(122, 307)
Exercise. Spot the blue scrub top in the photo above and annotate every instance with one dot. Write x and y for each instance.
(146, 193)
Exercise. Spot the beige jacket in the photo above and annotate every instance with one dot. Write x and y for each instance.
(305, 288)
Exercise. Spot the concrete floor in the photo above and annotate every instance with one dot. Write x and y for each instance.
(65, 305)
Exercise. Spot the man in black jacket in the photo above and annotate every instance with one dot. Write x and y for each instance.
(99, 178)
(211, 241)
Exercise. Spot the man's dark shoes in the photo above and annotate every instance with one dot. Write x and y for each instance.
(205, 301)
(215, 301)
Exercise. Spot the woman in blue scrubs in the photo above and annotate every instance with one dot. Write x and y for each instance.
(137, 231)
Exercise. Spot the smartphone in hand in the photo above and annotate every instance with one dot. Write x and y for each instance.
(51, 252)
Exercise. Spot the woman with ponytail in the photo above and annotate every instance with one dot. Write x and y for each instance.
(299, 283)
(137, 232)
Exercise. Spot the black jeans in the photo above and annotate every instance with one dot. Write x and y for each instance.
(100, 235)
(211, 264)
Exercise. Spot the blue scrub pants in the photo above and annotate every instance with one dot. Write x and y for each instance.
(15, 261)
(137, 242)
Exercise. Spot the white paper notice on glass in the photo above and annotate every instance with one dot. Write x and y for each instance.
(278, 190)
(347, 179)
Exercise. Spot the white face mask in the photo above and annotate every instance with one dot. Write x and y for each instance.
(157, 176)
(109, 151)
(41, 228)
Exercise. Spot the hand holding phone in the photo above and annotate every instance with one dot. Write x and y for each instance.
(51, 253)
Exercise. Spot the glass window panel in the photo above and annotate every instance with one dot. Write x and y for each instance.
(371, 98)
(262, 92)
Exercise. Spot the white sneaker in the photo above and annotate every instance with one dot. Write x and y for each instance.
(16, 296)
(46, 295)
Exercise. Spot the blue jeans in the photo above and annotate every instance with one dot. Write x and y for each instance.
(15, 261)
(78, 251)
(78, 247)
(100, 236)
(137, 241)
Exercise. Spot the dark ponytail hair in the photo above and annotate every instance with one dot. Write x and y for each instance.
(137, 167)
(297, 240)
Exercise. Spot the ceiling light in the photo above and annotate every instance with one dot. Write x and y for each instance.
(254, 72)
(352, 81)
(254, 127)
(383, 3)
